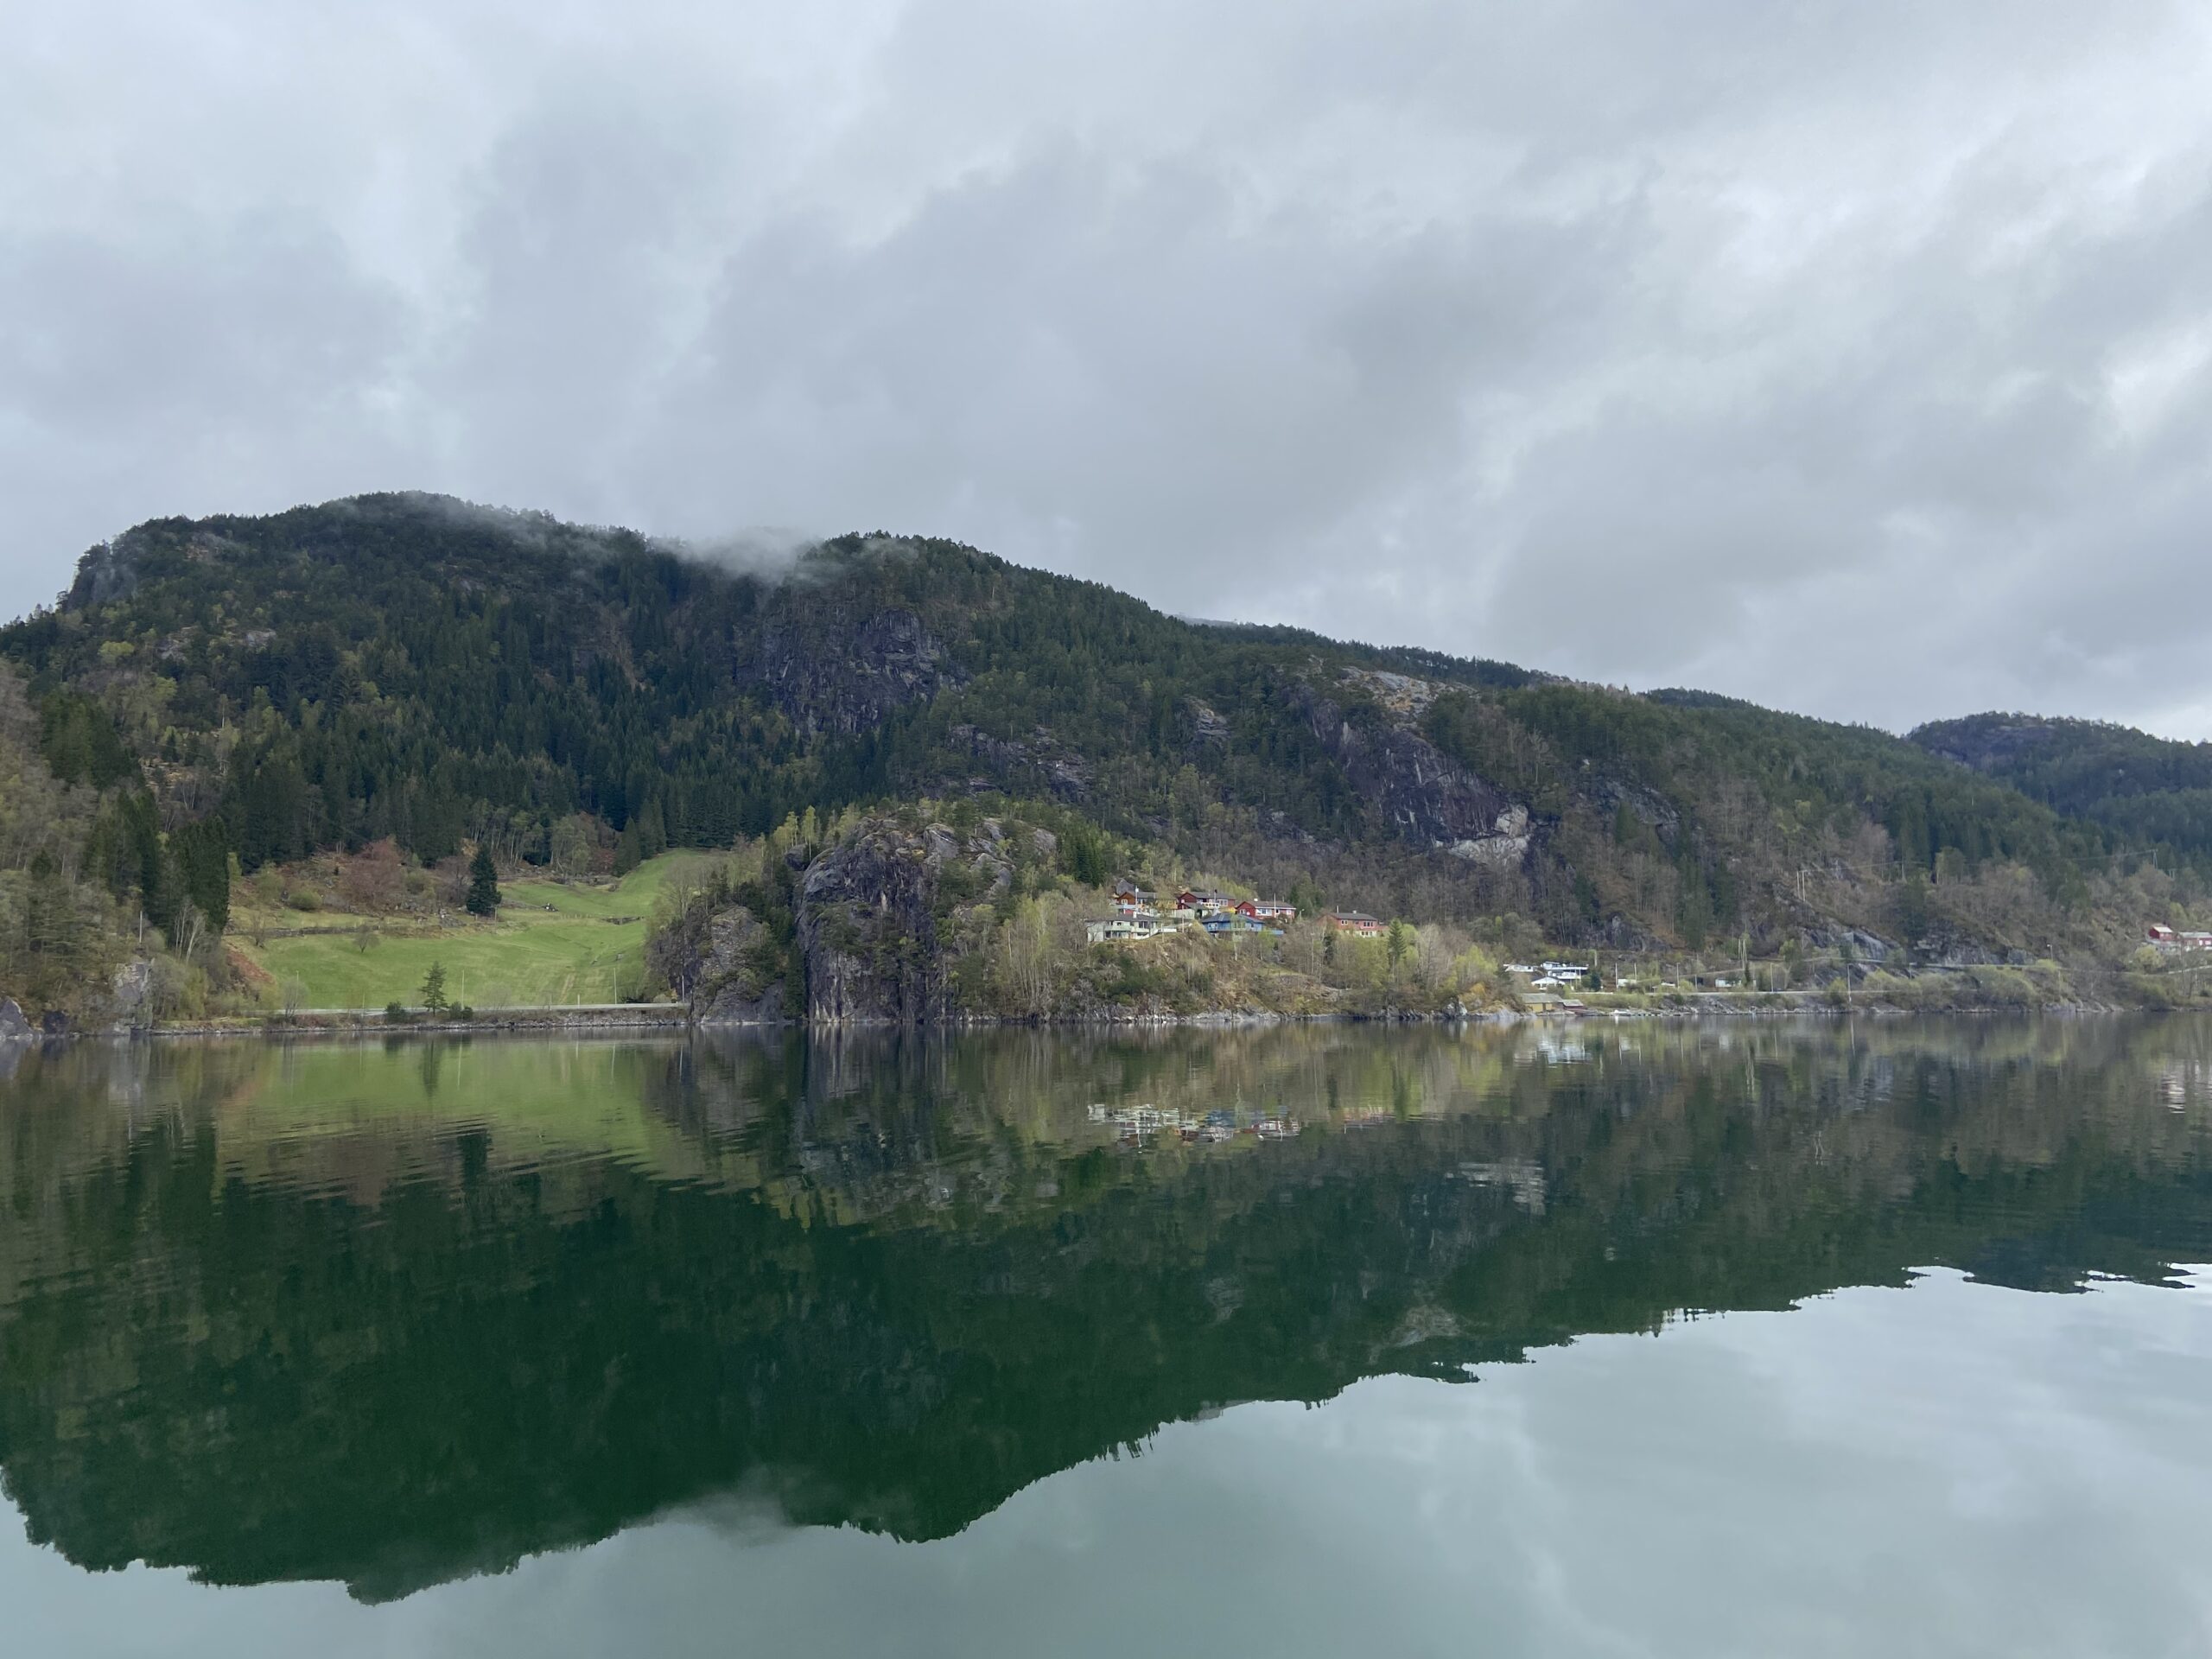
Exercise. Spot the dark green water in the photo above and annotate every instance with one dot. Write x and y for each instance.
(1618, 1340)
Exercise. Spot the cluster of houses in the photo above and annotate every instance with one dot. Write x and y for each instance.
(1550, 975)
(1139, 914)
(2167, 938)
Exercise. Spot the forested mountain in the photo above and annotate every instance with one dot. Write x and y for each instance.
(408, 666)
(413, 668)
(2143, 790)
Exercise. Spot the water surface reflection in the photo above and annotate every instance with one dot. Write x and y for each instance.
(395, 1315)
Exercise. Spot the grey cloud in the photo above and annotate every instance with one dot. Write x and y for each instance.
(1055, 345)
(1853, 359)
(194, 364)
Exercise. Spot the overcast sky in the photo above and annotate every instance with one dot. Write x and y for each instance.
(1855, 357)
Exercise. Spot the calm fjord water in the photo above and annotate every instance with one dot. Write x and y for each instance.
(1839, 1339)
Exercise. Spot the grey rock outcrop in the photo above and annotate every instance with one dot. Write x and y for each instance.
(1866, 949)
(878, 919)
(833, 671)
(1504, 849)
(738, 985)
(1208, 728)
(14, 1028)
(876, 930)
(1412, 785)
(131, 996)
(867, 930)
(1040, 763)
(724, 965)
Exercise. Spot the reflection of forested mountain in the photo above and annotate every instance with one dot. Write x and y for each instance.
(392, 1316)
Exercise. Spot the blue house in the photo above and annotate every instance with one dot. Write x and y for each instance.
(1231, 923)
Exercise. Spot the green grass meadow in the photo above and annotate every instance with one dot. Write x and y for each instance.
(551, 943)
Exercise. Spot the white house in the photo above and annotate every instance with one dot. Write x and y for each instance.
(1120, 928)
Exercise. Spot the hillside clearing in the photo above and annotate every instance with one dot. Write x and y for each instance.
(552, 943)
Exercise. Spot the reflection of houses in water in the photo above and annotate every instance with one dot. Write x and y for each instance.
(1552, 1048)
(1134, 1125)
(1522, 1177)
(2180, 1082)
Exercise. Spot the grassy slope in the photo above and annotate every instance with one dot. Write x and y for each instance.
(588, 947)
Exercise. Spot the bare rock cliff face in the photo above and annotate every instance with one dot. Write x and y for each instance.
(879, 921)
(869, 938)
(1041, 765)
(869, 924)
(723, 965)
(1411, 784)
(836, 671)
(736, 989)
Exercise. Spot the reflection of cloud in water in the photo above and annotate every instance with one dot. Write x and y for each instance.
(1954, 1469)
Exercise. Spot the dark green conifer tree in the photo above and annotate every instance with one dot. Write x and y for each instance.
(483, 883)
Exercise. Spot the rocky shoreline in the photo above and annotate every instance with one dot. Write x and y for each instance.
(723, 1014)
(677, 1022)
